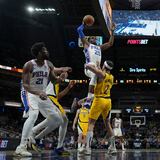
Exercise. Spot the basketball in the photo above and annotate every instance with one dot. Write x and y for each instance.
(88, 20)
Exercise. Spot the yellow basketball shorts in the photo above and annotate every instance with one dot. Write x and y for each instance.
(57, 104)
(100, 106)
(82, 128)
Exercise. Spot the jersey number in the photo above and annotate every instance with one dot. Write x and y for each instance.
(39, 81)
(98, 53)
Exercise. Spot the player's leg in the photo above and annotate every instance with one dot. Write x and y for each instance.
(62, 128)
(122, 142)
(27, 127)
(94, 113)
(52, 121)
(74, 105)
(92, 83)
(80, 140)
(112, 147)
(82, 136)
(79, 135)
(90, 91)
(62, 133)
(105, 115)
(89, 136)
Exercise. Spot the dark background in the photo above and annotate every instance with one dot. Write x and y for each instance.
(19, 29)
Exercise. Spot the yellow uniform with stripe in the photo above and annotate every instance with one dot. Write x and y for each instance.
(83, 119)
(102, 103)
(52, 92)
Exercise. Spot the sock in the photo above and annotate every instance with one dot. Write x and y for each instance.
(62, 132)
(112, 141)
(28, 125)
(122, 146)
(79, 145)
(89, 138)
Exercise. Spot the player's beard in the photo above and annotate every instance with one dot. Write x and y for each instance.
(46, 56)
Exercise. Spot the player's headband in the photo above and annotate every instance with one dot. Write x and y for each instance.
(107, 66)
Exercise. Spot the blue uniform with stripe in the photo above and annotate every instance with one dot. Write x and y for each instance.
(24, 98)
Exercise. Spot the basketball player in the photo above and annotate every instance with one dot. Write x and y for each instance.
(54, 95)
(101, 104)
(35, 76)
(93, 54)
(117, 124)
(82, 119)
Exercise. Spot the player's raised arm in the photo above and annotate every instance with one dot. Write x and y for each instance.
(62, 69)
(82, 36)
(111, 40)
(66, 90)
(52, 75)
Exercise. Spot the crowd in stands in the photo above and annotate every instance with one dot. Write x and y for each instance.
(147, 136)
(10, 129)
(123, 18)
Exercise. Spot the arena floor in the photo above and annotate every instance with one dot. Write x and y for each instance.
(96, 155)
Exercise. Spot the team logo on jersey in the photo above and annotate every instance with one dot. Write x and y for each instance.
(40, 74)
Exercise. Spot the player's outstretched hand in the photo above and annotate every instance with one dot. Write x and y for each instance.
(71, 83)
(67, 69)
(63, 76)
(43, 95)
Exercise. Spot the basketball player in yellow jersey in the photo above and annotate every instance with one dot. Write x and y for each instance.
(82, 117)
(54, 95)
(102, 102)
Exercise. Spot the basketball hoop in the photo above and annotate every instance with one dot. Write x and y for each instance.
(138, 123)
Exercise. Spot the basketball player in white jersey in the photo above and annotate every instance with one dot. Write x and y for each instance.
(54, 95)
(93, 54)
(117, 125)
(35, 76)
